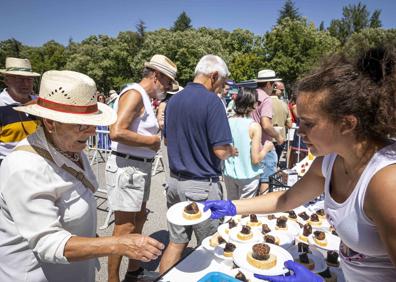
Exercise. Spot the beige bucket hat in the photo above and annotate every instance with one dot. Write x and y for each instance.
(267, 75)
(69, 97)
(176, 88)
(17, 66)
(164, 65)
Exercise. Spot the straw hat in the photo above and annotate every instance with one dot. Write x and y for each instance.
(163, 65)
(175, 88)
(266, 75)
(16, 66)
(69, 97)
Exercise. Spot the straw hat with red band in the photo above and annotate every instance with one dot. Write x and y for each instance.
(69, 97)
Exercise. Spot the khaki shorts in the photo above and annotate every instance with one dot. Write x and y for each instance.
(128, 183)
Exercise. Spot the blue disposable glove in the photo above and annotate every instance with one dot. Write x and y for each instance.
(220, 208)
(300, 274)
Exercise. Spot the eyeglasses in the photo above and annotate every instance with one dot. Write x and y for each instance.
(83, 127)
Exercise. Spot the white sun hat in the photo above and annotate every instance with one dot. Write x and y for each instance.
(267, 75)
(69, 97)
(164, 65)
(17, 66)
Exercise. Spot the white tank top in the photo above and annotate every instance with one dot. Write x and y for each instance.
(363, 255)
(146, 124)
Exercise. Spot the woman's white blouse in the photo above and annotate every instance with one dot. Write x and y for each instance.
(41, 207)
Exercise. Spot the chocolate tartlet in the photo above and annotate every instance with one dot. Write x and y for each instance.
(245, 233)
(307, 230)
(253, 221)
(292, 215)
(303, 215)
(271, 217)
(240, 276)
(314, 220)
(271, 239)
(321, 213)
(191, 211)
(281, 222)
(216, 240)
(229, 248)
(265, 228)
(260, 256)
(320, 238)
(332, 258)
(231, 224)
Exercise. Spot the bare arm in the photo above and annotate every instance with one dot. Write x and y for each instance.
(266, 124)
(160, 114)
(306, 189)
(257, 153)
(134, 246)
(130, 106)
(379, 204)
(223, 152)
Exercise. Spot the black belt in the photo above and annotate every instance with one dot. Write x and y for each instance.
(182, 176)
(129, 157)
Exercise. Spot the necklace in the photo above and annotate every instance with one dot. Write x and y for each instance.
(74, 157)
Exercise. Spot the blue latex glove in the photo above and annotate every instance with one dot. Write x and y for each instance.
(301, 274)
(220, 208)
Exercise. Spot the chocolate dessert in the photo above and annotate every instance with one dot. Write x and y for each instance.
(231, 224)
(332, 258)
(314, 217)
(269, 239)
(319, 235)
(292, 214)
(271, 217)
(265, 229)
(253, 218)
(303, 258)
(191, 208)
(303, 215)
(229, 247)
(320, 212)
(240, 276)
(281, 221)
(307, 230)
(220, 239)
(245, 229)
(261, 251)
(303, 248)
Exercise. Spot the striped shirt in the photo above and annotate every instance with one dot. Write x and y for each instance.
(14, 125)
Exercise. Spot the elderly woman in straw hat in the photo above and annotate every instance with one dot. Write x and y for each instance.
(48, 209)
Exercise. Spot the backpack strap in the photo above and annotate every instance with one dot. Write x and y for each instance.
(45, 154)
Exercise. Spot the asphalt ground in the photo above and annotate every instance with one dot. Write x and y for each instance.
(156, 225)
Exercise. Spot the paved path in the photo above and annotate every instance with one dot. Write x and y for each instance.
(155, 226)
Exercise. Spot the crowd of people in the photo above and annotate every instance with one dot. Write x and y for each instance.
(345, 109)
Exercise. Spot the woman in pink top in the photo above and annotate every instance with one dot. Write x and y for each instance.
(348, 120)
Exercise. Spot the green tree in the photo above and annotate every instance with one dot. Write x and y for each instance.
(321, 26)
(355, 18)
(182, 23)
(9, 48)
(293, 47)
(288, 11)
(141, 31)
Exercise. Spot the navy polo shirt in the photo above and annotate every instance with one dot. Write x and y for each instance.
(195, 122)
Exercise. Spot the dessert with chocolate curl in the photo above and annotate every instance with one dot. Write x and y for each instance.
(240, 276)
(292, 215)
(314, 220)
(191, 211)
(320, 238)
(260, 256)
(321, 213)
(271, 239)
(253, 221)
(229, 248)
(303, 215)
(306, 261)
(271, 217)
(231, 224)
(332, 259)
(245, 233)
(265, 228)
(281, 223)
(307, 230)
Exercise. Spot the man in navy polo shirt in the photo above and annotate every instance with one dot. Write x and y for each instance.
(198, 137)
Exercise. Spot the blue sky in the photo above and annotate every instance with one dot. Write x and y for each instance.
(34, 22)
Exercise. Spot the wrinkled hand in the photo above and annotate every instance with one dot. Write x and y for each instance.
(220, 208)
(301, 274)
(139, 247)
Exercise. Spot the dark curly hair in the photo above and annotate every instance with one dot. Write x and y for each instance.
(364, 87)
(245, 100)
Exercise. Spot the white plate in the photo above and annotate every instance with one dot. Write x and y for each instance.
(333, 242)
(222, 230)
(257, 236)
(175, 214)
(316, 257)
(286, 239)
(260, 219)
(206, 244)
(281, 254)
(219, 252)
